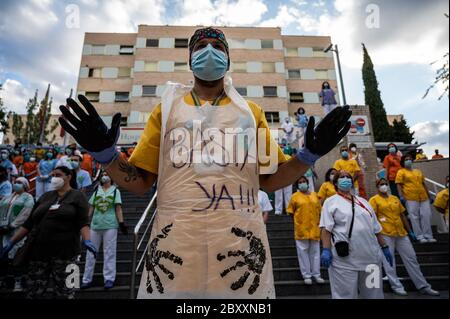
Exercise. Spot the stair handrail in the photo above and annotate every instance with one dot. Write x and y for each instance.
(138, 243)
(436, 185)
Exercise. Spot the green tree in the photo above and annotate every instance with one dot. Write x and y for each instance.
(401, 132)
(381, 129)
(4, 126)
(31, 135)
(17, 126)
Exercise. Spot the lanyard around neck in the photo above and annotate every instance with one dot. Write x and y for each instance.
(216, 101)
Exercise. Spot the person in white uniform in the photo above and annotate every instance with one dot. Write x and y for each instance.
(288, 129)
(264, 204)
(391, 215)
(208, 238)
(282, 196)
(352, 244)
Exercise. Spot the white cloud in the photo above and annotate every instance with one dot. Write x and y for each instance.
(435, 134)
(15, 96)
(285, 16)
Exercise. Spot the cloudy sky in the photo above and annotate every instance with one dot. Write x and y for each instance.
(41, 43)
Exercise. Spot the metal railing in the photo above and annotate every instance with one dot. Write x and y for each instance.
(436, 186)
(138, 243)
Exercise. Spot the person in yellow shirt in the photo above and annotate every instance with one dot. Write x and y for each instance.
(327, 189)
(345, 163)
(441, 201)
(391, 215)
(207, 206)
(305, 208)
(420, 156)
(413, 192)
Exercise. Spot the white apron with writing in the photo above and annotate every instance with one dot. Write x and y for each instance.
(208, 238)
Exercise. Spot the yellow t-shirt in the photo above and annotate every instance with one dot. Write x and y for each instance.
(326, 190)
(306, 211)
(412, 184)
(441, 201)
(388, 212)
(146, 153)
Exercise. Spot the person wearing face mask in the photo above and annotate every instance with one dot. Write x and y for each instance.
(358, 157)
(53, 236)
(392, 165)
(30, 170)
(327, 188)
(327, 98)
(83, 178)
(105, 207)
(302, 123)
(391, 215)
(6, 163)
(304, 207)
(39, 152)
(441, 201)
(353, 246)
(349, 165)
(14, 211)
(5, 184)
(199, 262)
(414, 193)
(64, 160)
(18, 159)
(288, 129)
(44, 169)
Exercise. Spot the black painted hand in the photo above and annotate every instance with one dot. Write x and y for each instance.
(331, 129)
(88, 129)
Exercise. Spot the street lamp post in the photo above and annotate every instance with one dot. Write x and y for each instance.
(335, 50)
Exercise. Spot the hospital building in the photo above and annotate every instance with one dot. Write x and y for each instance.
(126, 72)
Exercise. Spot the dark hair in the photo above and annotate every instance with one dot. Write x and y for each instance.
(343, 146)
(328, 173)
(3, 174)
(301, 109)
(303, 178)
(402, 160)
(69, 172)
(338, 175)
(352, 145)
(392, 144)
(326, 82)
(381, 180)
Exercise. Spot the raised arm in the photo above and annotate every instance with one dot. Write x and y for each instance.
(90, 132)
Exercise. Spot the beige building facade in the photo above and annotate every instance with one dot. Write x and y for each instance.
(127, 72)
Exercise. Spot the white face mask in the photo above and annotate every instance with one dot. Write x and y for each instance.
(56, 183)
(383, 188)
(105, 179)
(353, 149)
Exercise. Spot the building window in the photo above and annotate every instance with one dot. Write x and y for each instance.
(238, 67)
(181, 43)
(151, 67)
(242, 91)
(296, 97)
(98, 49)
(93, 96)
(270, 91)
(124, 121)
(95, 73)
(152, 43)
(272, 117)
(291, 52)
(294, 74)
(149, 90)
(124, 72)
(126, 50)
(122, 97)
(267, 44)
(321, 74)
(268, 67)
(181, 67)
(237, 44)
(318, 53)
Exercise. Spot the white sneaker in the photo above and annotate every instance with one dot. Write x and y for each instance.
(319, 280)
(400, 291)
(431, 240)
(308, 281)
(430, 292)
(423, 241)
(18, 287)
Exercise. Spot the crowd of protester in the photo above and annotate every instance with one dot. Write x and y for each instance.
(46, 216)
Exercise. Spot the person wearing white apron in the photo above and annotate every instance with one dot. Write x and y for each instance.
(208, 238)
(352, 244)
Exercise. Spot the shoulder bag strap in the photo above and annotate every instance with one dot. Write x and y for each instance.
(353, 218)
